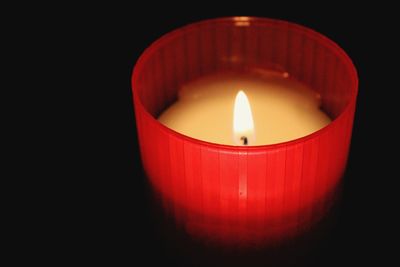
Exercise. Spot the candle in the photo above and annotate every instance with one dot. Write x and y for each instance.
(270, 108)
(215, 71)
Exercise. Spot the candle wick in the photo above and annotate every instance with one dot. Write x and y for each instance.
(244, 138)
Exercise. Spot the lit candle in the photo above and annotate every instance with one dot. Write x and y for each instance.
(257, 108)
(238, 194)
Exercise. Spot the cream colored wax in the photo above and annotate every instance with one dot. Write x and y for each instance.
(282, 108)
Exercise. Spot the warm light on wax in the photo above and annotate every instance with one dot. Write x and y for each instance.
(274, 109)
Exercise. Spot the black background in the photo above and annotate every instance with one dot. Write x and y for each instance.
(129, 226)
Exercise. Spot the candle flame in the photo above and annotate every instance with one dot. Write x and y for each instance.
(243, 126)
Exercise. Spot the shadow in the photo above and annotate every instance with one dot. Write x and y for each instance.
(180, 248)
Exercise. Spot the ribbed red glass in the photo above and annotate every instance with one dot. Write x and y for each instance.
(251, 193)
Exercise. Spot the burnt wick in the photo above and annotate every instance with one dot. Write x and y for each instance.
(244, 138)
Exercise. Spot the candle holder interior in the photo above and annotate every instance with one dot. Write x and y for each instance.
(241, 44)
(287, 184)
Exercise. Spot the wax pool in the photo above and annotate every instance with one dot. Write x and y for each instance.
(283, 109)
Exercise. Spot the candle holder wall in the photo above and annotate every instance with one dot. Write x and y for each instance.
(248, 194)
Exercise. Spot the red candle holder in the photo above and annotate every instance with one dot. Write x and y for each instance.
(244, 194)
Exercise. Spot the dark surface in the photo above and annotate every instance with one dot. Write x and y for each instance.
(131, 227)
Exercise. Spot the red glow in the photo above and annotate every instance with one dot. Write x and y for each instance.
(244, 194)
